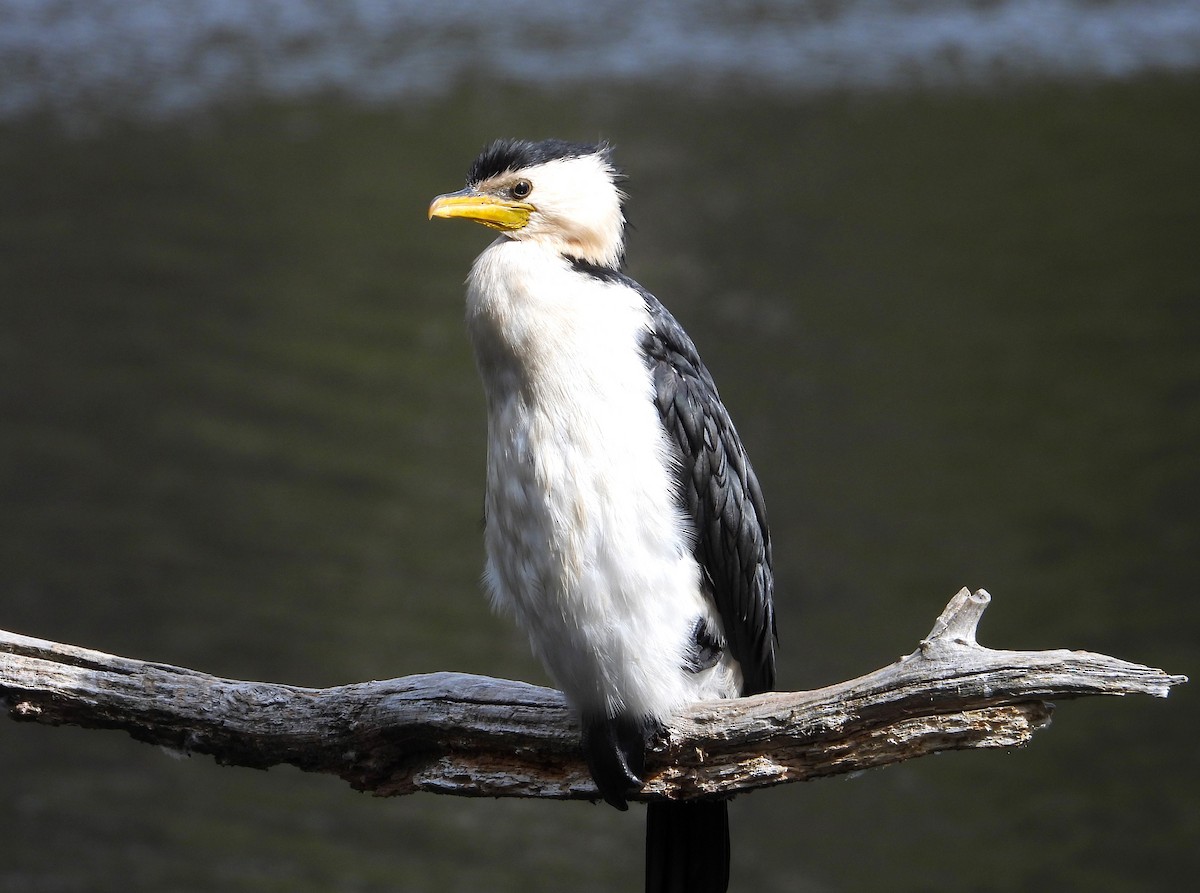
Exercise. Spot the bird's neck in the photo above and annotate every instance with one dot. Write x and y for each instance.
(600, 242)
(605, 253)
(533, 313)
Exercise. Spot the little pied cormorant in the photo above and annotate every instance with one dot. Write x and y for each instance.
(625, 528)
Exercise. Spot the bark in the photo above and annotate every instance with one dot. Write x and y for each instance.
(453, 733)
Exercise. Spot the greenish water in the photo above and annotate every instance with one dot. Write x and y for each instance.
(240, 431)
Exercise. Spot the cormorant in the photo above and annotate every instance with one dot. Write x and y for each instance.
(625, 528)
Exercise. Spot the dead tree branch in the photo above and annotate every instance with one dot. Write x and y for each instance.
(452, 733)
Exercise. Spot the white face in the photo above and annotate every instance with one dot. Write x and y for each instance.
(576, 207)
(570, 205)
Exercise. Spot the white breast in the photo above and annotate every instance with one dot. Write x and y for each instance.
(586, 544)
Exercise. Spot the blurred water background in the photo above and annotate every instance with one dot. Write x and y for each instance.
(942, 258)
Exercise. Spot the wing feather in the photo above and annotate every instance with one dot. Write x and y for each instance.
(717, 488)
(720, 493)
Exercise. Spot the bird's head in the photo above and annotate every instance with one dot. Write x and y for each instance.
(563, 195)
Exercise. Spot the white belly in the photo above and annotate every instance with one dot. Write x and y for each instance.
(586, 543)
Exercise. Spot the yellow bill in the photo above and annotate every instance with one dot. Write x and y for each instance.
(490, 210)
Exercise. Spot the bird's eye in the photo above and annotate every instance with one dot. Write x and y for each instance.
(521, 189)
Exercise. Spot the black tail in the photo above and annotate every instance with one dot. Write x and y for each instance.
(687, 847)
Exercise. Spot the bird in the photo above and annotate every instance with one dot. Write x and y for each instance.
(625, 529)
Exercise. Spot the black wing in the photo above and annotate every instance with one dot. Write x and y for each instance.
(716, 487)
(721, 494)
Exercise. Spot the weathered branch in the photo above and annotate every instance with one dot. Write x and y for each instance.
(470, 735)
